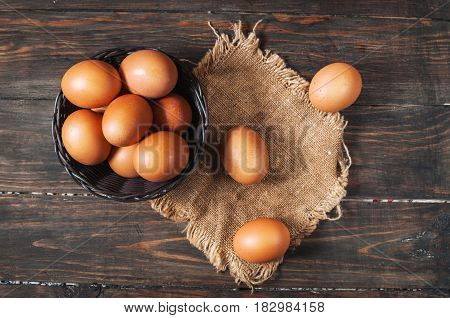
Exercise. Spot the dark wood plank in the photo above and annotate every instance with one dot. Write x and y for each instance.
(396, 8)
(411, 69)
(262, 292)
(50, 290)
(91, 291)
(400, 152)
(373, 246)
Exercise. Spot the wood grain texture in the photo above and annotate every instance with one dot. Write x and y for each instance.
(92, 291)
(49, 290)
(400, 152)
(89, 240)
(402, 62)
(263, 293)
(391, 8)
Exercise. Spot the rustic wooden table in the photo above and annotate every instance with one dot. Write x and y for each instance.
(393, 237)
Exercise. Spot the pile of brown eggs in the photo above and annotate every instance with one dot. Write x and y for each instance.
(129, 117)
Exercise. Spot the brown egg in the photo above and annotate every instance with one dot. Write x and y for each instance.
(161, 156)
(149, 73)
(335, 87)
(261, 240)
(126, 120)
(91, 84)
(121, 161)
(172, 112)
(83, 138)
(245, 156)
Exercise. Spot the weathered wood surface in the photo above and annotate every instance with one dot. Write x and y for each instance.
(16, 290)
(388, 8)
(398, 136)
(407, 69)
(93, 290)
(88, 240)
(399, 152)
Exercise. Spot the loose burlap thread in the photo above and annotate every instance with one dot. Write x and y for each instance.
(309, 162)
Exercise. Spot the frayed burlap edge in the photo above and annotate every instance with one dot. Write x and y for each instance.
(297, 86)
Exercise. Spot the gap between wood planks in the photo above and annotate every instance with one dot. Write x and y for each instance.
(367, 200)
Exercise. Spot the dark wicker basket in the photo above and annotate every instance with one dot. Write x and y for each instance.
(100, 179)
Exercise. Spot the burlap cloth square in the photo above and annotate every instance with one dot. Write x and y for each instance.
(308, 165)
